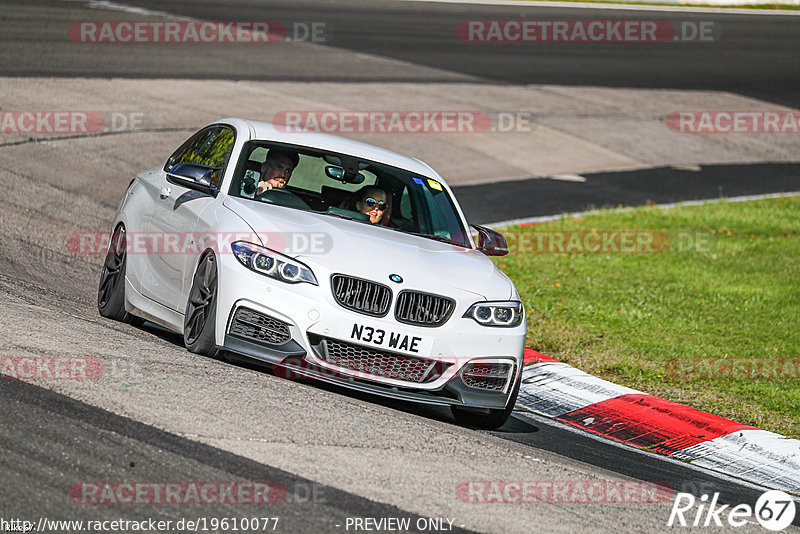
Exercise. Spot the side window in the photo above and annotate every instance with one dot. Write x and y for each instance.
(211, 147)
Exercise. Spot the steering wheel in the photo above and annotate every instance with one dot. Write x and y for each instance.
(282, 197)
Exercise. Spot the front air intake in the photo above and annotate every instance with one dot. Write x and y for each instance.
(489, 376)
(250, 324)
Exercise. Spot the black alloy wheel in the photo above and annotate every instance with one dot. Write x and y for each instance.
(201, 309)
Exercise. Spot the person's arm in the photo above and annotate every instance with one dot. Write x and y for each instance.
(262, 186)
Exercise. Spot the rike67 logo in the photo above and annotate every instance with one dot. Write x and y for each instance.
(774, 510)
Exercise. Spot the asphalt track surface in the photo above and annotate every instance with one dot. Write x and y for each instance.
(50, 440)
(95, 443)
(752, 55)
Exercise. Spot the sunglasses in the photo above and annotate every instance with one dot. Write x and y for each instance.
(371, 203)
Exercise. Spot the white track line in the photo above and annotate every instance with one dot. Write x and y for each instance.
(115, 6)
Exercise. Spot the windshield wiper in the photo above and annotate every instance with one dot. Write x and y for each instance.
(438, 238)
(338, 215)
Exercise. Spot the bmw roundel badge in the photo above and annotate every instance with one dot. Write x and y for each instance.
(396, 278)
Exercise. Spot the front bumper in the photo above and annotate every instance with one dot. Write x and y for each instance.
(313, 320)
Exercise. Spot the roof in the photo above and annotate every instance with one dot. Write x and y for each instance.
(267, 131)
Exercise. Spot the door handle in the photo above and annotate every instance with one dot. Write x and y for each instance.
(164, 192)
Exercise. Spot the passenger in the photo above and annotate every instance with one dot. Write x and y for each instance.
(276, 169)
(374, 201)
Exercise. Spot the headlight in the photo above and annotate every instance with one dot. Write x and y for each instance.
(270, 263)
(496, 313)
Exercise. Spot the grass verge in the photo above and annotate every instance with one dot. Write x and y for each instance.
(709, 317)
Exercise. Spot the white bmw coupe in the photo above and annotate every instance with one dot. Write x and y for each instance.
(328, 258)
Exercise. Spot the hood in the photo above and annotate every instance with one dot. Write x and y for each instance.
(329, 244)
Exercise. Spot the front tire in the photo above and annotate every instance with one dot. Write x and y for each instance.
(201, 310)
(487, 419)
(111, 290)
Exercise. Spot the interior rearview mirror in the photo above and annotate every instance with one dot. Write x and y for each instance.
(339, 174)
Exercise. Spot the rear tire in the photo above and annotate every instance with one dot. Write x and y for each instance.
(111, 290)
(201, 310)
(491, 420)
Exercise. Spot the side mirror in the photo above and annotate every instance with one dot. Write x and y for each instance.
(198, 177)
(490, 242)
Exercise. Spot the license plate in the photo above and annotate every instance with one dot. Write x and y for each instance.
(391, 340)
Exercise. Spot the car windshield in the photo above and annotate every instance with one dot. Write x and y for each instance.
(341, 185)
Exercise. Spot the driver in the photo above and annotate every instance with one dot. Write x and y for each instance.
(276, 170)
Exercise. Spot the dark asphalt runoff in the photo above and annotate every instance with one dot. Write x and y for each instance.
(488, 203)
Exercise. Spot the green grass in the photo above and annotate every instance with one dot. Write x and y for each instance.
(627, 317)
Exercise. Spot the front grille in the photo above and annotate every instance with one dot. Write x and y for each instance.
(488, 376)
(254, 325)
(380, 363)
(423, 309)
(360, 295)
